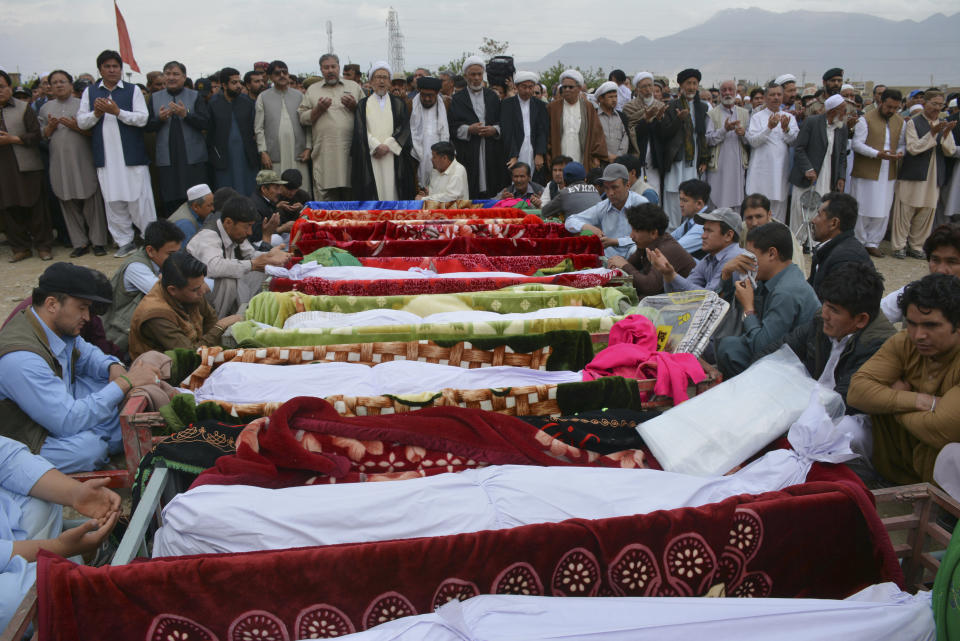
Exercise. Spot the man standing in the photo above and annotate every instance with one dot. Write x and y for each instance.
(475, 126)
(820, 159)
(878, 90)
(911, 386)
(832, 82)
(606, 218)
(117, 114)
(683, 131)
(614, 123)
(190, 215)
(879, 140)
(643, 114)
(575, 129)
(352, 72)
(59, 394)
(234, 265)
(782, 301)
(788, 82)
(72, 174)
(282, 141)
(328, 108)
(770, 134)
(428, 126)
(525, 125)
(448, 181)
(624, 94)
(254, 83)
(231, 137)
(923, 172)
(726, 135)
(833, 229)
(179, 117)
(381, 143)
(648, 230)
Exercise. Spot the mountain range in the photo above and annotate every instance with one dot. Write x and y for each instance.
(757, 45)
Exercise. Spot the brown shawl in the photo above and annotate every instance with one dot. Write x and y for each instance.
(593, 144)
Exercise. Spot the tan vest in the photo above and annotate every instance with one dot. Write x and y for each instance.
(159, 304)
(869, 168)
(28, 156)
(717, 116)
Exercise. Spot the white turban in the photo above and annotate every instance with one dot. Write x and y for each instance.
(198, 191)
(605, 88)
(473, 60)
(785, 78)
(833, 102)
(915, 108)
(574, 75)
(640, 76)
(525, 76)
(380, 64)
(952, 104)
(845, 87)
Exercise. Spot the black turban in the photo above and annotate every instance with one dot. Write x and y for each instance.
(688, 73)
(428, 82)
(831, 73)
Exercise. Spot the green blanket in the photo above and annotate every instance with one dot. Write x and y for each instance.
(332, 257)
(609, 391)
(183, 410)
(570, 349)
(273, 308)
(946, 592)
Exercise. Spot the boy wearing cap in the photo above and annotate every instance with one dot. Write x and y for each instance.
(781, 302)
(60, 395)
(606, 218)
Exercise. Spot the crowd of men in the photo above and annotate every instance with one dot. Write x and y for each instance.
(687, 188)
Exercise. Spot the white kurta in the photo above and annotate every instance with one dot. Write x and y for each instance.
(380, 132)
(427, 127)
(874, 196)
(526, 148)
(728, 181)
(570, 142)
(769, 162)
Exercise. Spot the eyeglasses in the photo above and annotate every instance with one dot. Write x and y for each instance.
(280, 72)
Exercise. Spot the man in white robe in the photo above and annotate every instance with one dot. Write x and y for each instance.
(428, 125)
(726, 136)
(770, 134)
(874, 168)
(124, 182)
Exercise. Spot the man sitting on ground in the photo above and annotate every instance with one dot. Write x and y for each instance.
(756, 211)
(234, 265)
(718, 243)
(783, 300)
(265, 198)
(575, 197)
(190, 215)
(292, 199)
(694, 195)
(635, 182)
(606, 218)
(59, 395)
(833, 229)
(448, 180)
(848, 330)
(911, 386)
(556, 183)
(648, 223)
(521, 186)
(942, 248)
(175, 313)
(31, 519)
(137, 276)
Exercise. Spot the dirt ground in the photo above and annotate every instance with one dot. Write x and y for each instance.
(19, 279)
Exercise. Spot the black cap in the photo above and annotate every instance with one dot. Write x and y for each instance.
(73, 280)
(293, 178)
(832, 73)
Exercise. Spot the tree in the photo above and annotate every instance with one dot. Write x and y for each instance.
(591, 78)
(491, 47)
(455, 66)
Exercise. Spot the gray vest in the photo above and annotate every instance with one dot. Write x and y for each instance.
(916, 167)
(192, 138)
(28, 157)
(273, 101)
(116, 322)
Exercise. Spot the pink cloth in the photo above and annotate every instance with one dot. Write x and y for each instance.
(632, 353)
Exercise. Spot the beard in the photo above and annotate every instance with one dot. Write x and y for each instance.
(729, 101)
(230, 92)
(648, 101)
(690, 96)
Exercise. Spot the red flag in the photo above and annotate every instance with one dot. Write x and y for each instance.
(126, 49)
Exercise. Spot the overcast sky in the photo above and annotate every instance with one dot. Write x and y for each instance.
(40, 35)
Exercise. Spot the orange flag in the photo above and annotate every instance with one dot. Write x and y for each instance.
(126, 49)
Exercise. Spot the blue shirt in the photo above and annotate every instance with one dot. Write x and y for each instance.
(611, 222)
(188, 228)
(27, 380)
(689, 234)
(706, 275)
(19, 472)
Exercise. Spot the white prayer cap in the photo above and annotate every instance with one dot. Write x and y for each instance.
(640, 76)
(605, 88)
(198, 191)
(952, 104)
(574, 75)
(833, 102)
(916, 108)
(785, 78)
(525, 76)
(473, 60)
(381, 64)
(845, 87)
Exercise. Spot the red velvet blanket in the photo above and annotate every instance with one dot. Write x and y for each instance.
(461, 245)
(413, 286)
(390, 230)
(525, 265)
(307, 442)
(818, 540)
(411, 214)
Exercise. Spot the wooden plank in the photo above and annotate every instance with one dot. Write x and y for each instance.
(133, 538)
(24, 615)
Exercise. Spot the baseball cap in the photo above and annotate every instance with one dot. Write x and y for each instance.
(613, 171)
(73, 280)
(573, 171)
(722, 215)
(269, 177)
